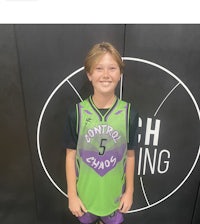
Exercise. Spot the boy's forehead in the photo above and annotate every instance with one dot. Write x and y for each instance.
(106, 57)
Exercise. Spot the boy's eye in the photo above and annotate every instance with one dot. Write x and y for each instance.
(113, 68)
(98, 68)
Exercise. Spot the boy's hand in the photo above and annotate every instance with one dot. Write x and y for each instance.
(76, 206)
(125, 202)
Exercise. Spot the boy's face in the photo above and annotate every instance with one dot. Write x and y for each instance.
(105, 75)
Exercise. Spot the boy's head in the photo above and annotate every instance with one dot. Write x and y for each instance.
(97, 51)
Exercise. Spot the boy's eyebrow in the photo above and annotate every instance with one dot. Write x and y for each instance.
(106, 63)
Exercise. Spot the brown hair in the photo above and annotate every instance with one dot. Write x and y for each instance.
(97, 51)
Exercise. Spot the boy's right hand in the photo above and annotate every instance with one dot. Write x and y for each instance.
(76, 206)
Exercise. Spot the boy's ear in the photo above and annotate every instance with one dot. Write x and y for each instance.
(89, 76)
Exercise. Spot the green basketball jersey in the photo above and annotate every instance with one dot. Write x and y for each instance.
(101, 155)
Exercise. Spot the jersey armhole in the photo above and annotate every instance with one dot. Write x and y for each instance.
(128, 121)
(77, 118)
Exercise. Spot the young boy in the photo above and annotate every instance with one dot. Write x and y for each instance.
(102, 136)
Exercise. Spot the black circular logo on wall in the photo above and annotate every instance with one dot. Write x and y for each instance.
(169, 118)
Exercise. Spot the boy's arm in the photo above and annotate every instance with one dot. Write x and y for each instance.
(75, 205)
(127, 198)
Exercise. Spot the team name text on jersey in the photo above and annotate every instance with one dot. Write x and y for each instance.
(102, 129)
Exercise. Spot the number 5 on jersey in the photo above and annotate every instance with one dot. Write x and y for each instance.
(102, 145)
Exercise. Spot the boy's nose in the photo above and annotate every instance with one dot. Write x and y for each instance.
(106, 73)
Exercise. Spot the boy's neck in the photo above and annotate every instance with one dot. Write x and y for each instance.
(103, 102)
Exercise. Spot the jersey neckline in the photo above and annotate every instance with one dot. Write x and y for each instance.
(98, 110)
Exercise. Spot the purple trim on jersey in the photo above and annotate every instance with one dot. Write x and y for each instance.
(102, 164)
(87, 112)
(118, 112)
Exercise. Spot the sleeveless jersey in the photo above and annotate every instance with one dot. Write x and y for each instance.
(101, 155)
